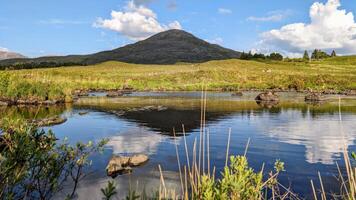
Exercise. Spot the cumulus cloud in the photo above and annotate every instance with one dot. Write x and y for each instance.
(330, 28)
(224, 11)
(273, 16)
(137, 22)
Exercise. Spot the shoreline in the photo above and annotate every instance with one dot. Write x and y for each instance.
(86, 93)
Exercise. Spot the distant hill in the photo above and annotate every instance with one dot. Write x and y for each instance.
(167, 47)
(9, 55)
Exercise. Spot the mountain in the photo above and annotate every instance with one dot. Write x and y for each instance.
(167, 47)
(9, 55)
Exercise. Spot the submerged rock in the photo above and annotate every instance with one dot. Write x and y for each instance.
(267, 96)
(81, 93)
(314, 97)
(114, 94)
(83, 113)
(137, 160)
(268, 104)
(49, 121)
(150, 108)
(237, 94)
(119, 165)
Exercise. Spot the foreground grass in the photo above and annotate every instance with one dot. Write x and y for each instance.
(337, 74)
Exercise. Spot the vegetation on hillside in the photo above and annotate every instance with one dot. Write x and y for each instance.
(167, 47)
(337, 74)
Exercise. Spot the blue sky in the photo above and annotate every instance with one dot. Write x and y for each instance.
(44, 27)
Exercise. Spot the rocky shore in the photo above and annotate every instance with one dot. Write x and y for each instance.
(76, 94)
(11, 102)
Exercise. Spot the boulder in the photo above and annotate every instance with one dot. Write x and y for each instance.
(314, 97)
(267, 96)
(138, 160)
(119, 165)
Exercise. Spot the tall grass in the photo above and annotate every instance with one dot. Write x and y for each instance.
(348, 182)
(238, 180)
(332, 74)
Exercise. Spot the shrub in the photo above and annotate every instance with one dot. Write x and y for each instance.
(35, 166)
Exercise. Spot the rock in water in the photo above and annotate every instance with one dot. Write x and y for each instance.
(267, 96)
(314, 97)
(237, 94)
(49, 121)
(115, 94)
(118, 165)
(138, 160)
(122, 164)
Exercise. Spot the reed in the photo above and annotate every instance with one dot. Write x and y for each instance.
(238, 180)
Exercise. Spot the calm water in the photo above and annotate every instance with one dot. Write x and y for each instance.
(308, 138)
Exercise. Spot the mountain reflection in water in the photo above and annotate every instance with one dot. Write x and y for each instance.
(306, 137)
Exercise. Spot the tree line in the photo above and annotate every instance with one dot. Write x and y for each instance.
(317, 54)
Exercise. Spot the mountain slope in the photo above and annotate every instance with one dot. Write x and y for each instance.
(9, 55)
(167, 47)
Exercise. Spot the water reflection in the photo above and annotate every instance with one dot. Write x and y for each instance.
(304, 136)
(136, 141)
(321, 136)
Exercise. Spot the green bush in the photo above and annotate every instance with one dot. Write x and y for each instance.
(35, 166)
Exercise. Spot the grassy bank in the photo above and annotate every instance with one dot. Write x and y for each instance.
(338, 74)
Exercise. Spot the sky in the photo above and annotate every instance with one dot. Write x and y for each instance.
(47, 27)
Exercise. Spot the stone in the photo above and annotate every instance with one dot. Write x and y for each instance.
(119, 165)
(49, 121)
(267, 96)
(4, 103)
(314, 97)
(114, 94)
(83, 113)
(137, 160)
(237, 94)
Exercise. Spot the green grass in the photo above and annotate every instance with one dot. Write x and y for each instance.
(330, 74)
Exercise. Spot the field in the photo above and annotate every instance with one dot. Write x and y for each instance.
(335, 74)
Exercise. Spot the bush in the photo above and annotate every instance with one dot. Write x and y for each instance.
(34, 166)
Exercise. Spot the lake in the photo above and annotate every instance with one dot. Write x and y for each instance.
(308, 138)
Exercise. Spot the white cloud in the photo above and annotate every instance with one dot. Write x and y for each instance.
(273, 16)
(136, 22)
(322, 136)
(224, 11)
(4, 49)
(330, 28)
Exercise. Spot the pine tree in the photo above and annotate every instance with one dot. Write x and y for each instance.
(333, 54)
(306, 55)
(315, 55)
